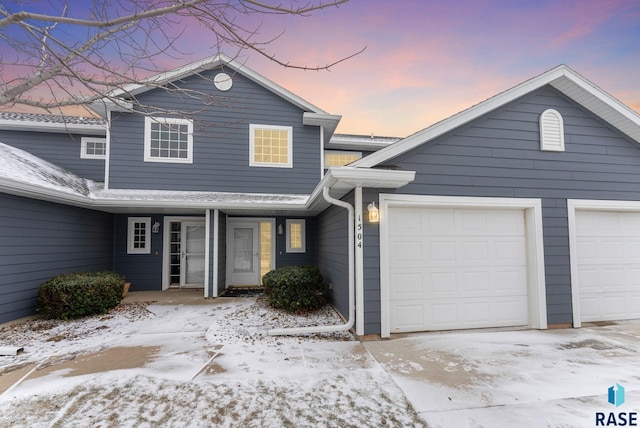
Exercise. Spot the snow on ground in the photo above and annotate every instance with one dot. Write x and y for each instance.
(191, 366)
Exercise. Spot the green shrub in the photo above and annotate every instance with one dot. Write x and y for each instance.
(294, 288)
(77, 294)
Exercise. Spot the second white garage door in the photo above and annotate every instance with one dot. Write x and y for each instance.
(608, 265)
(456, 268)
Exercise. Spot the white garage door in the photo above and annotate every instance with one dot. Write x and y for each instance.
(608, 262)
(456, 268)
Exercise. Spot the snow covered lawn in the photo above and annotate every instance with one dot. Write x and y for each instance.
(190, 366)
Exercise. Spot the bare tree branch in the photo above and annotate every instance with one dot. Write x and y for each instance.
(58, 57)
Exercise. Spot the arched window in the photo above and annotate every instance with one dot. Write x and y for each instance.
(551, 131)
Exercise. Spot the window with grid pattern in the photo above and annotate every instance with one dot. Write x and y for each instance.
(138, 235)
(93, 148)
(339, 158)
(270, 146)
(168, 140)
(296, 236)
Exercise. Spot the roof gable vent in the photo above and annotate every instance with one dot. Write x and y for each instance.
(551, 131)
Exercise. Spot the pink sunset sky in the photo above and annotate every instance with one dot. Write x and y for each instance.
(427, 60)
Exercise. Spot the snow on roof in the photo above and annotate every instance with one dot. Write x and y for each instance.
(19, 168)
(221, 198)
(51, 118)
(22, 167)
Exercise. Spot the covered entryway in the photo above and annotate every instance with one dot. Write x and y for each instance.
(606, 254)
(458, 263)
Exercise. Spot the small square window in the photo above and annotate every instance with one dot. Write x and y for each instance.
(296, 236)
(93, 148)
(139, 235)
(340, 158)
(270, 146)
(168, 140)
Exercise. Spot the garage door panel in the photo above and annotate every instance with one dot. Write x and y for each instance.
(408, 316)
(472, 266)
(608, 258)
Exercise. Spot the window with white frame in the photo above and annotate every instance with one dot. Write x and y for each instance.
(93, 148)
(139, 235)
(296, 236)
(168, 140)
(340, 157)
(551, 131)
(271, 146)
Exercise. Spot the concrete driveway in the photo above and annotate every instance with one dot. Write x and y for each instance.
(515, 378)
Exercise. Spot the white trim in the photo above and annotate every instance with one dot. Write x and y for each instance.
(574, 205)
(254, 127)
(83, 147)
(551, 139)
(303, 237)
(207, 243)
(562, 78)
(166, 243)
(51, 127)
(131, 222)
(167, 121)
(359, 260)
(210, 63)
(216, 246)
(535, 246)
(107, 161)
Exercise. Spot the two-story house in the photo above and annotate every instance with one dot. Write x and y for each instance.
(523, 210)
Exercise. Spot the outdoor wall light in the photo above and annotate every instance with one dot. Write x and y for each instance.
(280, 229)
(374, 213)
(156, 227)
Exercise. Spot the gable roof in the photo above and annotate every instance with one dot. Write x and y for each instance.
(563, 78)
(313, 115)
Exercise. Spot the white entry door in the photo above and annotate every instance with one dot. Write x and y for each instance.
(243, 254)
(192, 257)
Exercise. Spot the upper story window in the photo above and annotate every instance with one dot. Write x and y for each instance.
(551, 131)
(271, 146)
(168, 140)
(93, 148)
(340, 158)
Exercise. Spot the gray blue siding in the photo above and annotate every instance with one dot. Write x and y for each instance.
(143, 271)
(220, 142)
(498, 155)
(332, 254)
(41, 240)
(308, 258)
(60, 149)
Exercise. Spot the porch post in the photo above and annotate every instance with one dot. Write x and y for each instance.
(359, 261)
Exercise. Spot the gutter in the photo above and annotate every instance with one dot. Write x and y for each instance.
(351, 319)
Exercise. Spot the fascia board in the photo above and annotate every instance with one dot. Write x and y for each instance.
(208, 64)
(458, 119)
(327, 121)
(36, 192)
(553, 77)
(58, 128)
(344, 179)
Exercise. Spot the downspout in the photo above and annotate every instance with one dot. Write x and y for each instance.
(351, 319)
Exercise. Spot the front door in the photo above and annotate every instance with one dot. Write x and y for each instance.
(184, 261)
(192, 257)
(243, 254)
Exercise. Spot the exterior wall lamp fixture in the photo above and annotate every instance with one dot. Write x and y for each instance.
(374, 213)
(280, 229)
